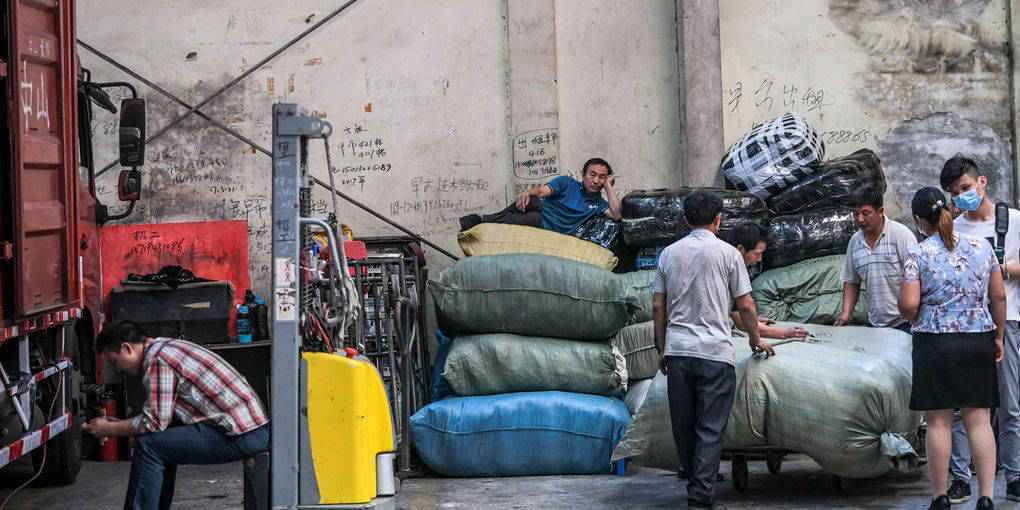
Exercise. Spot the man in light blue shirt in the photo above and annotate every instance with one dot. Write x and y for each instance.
(565, 203)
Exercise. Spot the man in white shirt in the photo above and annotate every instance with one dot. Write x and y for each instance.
(964, 181)
(875, 257)
(696, 283)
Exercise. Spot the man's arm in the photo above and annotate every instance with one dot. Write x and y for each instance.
(997, 307)
(749, 324)
(767, 331)
(157, 411)
(615, 211)
(659, 318)
(108, 427)
(540, 192)
(851, 293)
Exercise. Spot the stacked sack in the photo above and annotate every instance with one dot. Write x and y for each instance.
(636, 342)
(810, 219)
(536, 385)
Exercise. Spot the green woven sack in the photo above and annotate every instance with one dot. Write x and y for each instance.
(495, 363)
(641, 283)
(534, 295)
(637, 344)
(810, 292)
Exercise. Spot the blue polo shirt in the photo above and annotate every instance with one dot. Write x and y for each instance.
(569, 205)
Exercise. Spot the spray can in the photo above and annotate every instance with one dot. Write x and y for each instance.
(243, 325)
(261, 320)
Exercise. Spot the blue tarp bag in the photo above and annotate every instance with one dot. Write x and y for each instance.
(518, 434)
(440, 387)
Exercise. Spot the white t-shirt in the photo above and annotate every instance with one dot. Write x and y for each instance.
(986, 229)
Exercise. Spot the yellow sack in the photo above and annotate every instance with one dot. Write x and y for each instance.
(497, 239)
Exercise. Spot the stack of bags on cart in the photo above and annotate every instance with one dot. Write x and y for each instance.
(528, 380)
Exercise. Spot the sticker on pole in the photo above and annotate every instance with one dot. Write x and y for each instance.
(285, 293)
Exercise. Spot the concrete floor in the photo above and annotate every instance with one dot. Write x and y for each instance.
(801, 484)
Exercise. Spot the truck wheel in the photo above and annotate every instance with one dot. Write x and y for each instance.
(63, 452)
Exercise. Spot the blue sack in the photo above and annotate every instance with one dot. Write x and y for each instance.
(440, 387)
(519, 434)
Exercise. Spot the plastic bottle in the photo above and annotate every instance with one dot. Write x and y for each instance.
(261, 320)
(243, 325)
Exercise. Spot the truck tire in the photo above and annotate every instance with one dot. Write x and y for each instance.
(63, 452)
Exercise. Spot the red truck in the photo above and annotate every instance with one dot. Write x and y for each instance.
(50, 298)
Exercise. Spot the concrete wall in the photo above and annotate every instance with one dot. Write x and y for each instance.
(866, 73)
(434, 103)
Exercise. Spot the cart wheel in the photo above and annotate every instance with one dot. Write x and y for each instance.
(774, 461)
(739, 472)
(840, 483)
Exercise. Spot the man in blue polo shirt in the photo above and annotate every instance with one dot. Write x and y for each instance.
(565, 203)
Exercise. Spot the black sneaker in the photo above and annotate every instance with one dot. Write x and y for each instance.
(469, 221)
(940, 503)
(959, 491)
(984, 503)
(1013, 490)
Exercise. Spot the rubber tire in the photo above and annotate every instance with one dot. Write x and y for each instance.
(63, 452)
(774, 461)
(840, 483)
(738, 468)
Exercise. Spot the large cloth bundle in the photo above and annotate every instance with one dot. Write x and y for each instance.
(798, 237)
(641, 283)
(831, 185)
(810, 291)
(534, 295)
(519, 434)
(773, 155)
(657, 216)
(608, 234)
(496, 239)
(494, 363)
(637, 344)
(842, 401)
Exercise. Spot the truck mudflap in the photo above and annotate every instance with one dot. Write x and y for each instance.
(34, 439)
(38, 323)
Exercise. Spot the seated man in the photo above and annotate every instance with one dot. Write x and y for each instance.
(565, 203)
(750, 239)
(216, 416)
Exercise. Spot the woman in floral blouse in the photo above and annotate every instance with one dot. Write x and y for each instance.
(953, 296)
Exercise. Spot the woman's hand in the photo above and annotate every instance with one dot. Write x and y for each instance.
(998, 348)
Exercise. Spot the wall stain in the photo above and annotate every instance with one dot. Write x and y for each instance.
(313, 62)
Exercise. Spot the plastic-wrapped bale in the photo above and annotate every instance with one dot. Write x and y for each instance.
(494, 363)
(637, 344)
(496, 239)
(798, 237)
(810, 291)
(774, 155)
(534, 295)
(842, 401)
(641, 284)
(520, 434)
(831, 185)
(607, 233)
(648, 257)
(657, 216)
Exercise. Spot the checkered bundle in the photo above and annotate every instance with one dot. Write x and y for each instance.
(773, 156)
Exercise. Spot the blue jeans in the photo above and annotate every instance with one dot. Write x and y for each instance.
(1008, 413)
(154, 464)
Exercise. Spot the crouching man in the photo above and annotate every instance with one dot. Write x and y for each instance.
(221, 419)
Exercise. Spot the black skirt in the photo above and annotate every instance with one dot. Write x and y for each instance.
(954, 370)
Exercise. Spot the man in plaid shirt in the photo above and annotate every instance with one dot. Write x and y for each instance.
(215, 414)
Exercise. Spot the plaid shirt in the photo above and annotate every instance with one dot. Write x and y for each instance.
(194, 384)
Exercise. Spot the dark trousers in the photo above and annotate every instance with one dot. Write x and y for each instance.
(531, 217)
(700, 398)
(156, 456)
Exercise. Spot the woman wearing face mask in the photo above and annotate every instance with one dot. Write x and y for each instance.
(952, 294)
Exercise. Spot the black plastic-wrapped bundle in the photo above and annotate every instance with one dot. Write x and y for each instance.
(831, 185)
(797, 237)
(607, 233)
(657, 216)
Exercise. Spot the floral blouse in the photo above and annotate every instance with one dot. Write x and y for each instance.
(954, 285)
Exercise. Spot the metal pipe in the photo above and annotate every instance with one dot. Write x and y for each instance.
(14, 400)
(336, 252)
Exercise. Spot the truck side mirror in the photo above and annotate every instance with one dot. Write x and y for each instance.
(132, 133)
(129, 185)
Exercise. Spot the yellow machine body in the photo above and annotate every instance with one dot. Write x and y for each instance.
(349, 424)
